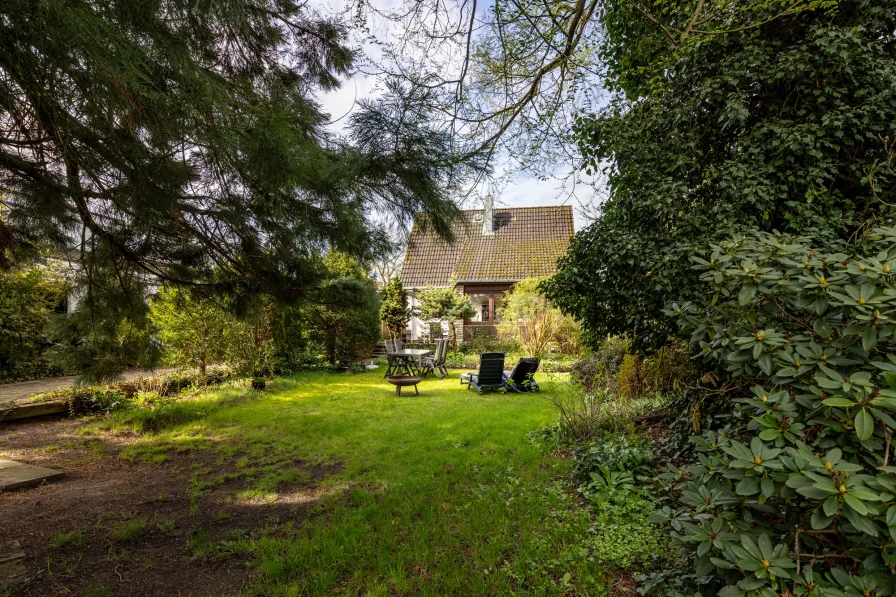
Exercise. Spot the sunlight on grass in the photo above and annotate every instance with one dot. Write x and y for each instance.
(432, 494)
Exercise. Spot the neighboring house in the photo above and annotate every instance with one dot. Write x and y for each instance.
(493, 249)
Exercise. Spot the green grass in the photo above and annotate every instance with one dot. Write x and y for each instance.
(130, 530)
(435, 494)
(65, 539)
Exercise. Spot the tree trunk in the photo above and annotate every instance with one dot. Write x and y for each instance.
(331, 348)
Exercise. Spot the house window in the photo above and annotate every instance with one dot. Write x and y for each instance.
(484, 311)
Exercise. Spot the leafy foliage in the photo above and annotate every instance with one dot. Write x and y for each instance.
(796, 489)
(617, 453)
(480, 343)
(770, 127)
(187, 139)
(611, 369)
(109, 330)
(194, 331)
(583, 414)
(345, 318)
(530, 319)
(28, 299)
(597, 370)
(615, 476)
(445, 305)
(394, 310)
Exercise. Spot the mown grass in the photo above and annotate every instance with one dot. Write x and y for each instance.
(436, 494)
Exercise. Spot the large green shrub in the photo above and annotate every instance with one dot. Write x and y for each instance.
(195, 331)
(28, 298)
(394, 310)
(771, 127)
(344, 319)
(794, 492)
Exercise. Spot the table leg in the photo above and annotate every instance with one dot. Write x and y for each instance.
(416, 391)
(398, 391)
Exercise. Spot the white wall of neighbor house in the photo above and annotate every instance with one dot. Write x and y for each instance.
(415, 325)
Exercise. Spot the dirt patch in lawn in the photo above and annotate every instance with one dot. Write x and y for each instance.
(115, 527)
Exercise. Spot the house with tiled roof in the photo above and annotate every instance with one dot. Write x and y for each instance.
(492, 250)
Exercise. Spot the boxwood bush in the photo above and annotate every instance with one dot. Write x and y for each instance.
(794, 490)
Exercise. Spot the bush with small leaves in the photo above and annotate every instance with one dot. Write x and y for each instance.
(794, 491)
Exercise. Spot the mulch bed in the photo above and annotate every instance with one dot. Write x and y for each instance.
(101, 492)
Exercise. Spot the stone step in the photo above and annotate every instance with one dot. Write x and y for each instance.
(12, 567)
(16, 475)
(23, 409)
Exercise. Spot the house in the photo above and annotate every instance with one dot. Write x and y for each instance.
(493, 249)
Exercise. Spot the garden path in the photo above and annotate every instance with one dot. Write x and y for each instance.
(24, 389)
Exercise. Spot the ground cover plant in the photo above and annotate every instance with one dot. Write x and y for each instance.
(326, 483)
(616, 473)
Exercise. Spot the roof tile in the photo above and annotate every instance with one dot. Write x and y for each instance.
(527, 243)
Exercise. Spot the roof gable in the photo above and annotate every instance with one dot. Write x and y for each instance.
(526, 243)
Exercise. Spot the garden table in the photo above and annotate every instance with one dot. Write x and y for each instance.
(403, 361)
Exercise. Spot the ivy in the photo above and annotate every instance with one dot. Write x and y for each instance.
(776, 127)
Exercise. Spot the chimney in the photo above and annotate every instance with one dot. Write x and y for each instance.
(488, 218)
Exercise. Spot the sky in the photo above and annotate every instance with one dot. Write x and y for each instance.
(518, 190)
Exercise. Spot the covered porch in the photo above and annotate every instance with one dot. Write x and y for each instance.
(487, 300)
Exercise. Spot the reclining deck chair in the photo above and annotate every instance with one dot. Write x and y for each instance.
(522, 378)
(490, 375)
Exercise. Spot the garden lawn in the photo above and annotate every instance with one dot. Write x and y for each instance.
(441, 493)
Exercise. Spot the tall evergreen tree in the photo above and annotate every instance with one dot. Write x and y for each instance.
(346, 321)
(183, 139)
(394, 310)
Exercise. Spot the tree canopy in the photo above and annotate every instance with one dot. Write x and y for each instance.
(184, 140)
(444, 304)
(770, 128)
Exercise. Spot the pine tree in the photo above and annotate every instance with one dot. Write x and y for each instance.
(394, 310)
(183, 139)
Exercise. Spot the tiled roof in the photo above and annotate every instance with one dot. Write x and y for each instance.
(526, 243)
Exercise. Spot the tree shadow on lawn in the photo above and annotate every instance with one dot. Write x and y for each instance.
(113, 526)
(324, 483)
